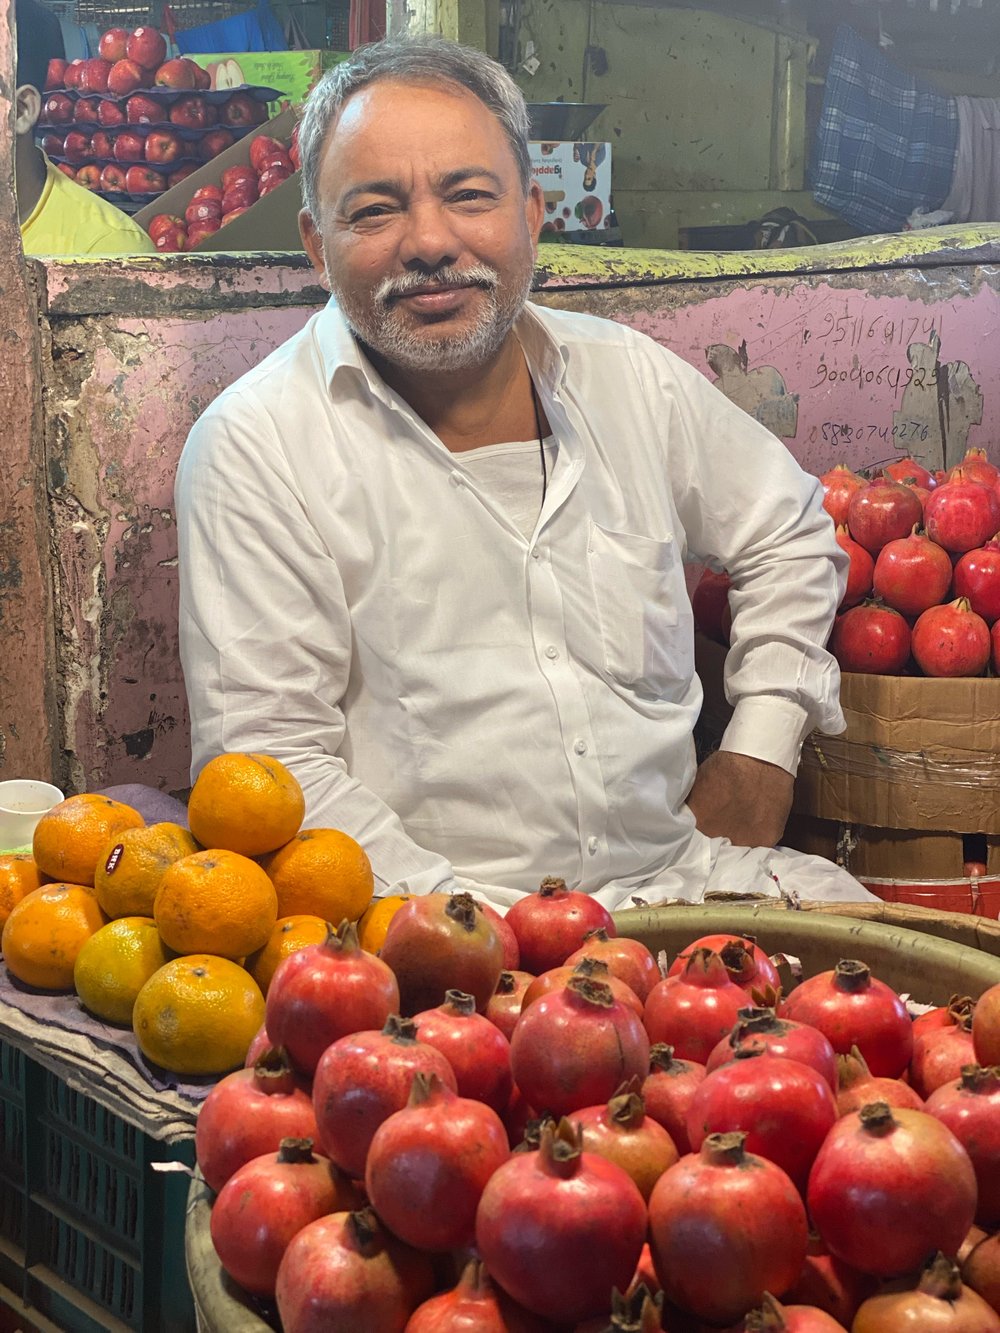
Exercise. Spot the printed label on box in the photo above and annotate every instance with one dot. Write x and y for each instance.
(575, 179)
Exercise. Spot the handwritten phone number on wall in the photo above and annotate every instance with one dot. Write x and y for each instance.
(857, 329)
(894, 377)
(834, 432)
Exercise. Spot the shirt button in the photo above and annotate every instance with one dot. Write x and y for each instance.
(592, 845)
(536, 553)
(552, 651)
(580, 747)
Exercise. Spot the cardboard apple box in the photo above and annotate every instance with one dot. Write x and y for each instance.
(269, 224)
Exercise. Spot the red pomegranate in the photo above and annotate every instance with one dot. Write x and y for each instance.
(830, 1285)
(857, 1086)
(912, 574)
(975, 467)
(429, 1163)
(872, 639)
(628, 960)
(746, 962)
(772, 1317)
(986, 1027)
(909, 470)
(439, 942)
(693, 1010)
(962, 514)
(363, 1079)
(511, 951)
(938, 1303)
(860, 572)
(724, 1228)
(477, 1051)
(668, 1091)
(981, 1270)
(708, 601)
(261, 1043)
(267, 1202)
(622, 1132)
(504, 1008)
(977, 578)
(839, 485)
(517, 1117)
(852, 1008)
(784, 1109)
(957, 1008)
(995, 649)
(594, 969)
(474, 1305)
(970, 1107)
(951, 640)
(248, 1113)
(889, 1187)
(576, 1046)
(939, 1056)
(554, 921)
(323, 992)
(560, 1227)
(760, 1029)
(345, 1272)
(881, 512)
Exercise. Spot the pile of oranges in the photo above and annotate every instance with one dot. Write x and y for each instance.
(178, 933)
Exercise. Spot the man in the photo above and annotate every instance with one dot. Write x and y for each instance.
(431, 549)
(57, 216)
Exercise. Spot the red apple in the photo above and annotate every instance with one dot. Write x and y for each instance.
(112, 45)
(125, 76)
(76, 146)
(129, 147)
(164, 222)
(181, 174)
(278, 159)
(102, 144)
(113, 179)
(172, 240)
(233, 213)
(177, 73)
(146, 47)
(73, 73)
(140, 179)
(203, 210)
(260, 146)
(240, 109)
(239, 196)
(163, 146)
(67, 170)
(294, 154)
(271, 179)
(202, 78)
(197, 231)
(58, 109)
(193, 113)
(87, 111)
(94, 76)
(233, 175)
(52, 145)
(143, 110)
(55, 76)
(110, 113)
(209, 193)
(213, 143)
(89, 176)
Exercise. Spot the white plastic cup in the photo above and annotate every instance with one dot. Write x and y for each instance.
(22, 804)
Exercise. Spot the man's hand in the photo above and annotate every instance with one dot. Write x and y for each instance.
(741, 798)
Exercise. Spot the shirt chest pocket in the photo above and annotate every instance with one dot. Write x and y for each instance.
(642, 609)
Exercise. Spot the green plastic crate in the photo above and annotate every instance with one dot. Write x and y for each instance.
(90, 1235)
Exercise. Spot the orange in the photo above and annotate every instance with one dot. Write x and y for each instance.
(18, 876)
(131, 865)
(215, 902)
(71, 836)
(247, 803)
(290, 934)
(198, 1015)
(322, 872)
(115, 964)
(46, 931)
(373, 925)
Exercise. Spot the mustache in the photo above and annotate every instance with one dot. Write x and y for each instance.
(478, 275)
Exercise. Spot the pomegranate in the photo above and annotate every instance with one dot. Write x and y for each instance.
(940, 1056)
(957, 1008)
(511, 950)
(553, 922)
(976, 1234)
(628, 960)
(761, 1029)
(693, 1010)
(860, 572)
(962, 514)
(439, 942)
(669, 1090)
(889, 1187)
(981, 1270)
(517, 1116)
(975, 467)
(477, 1051)
(995, 648)
(593, 968)
(345, 1272)
(576, 1046)
(830, 1285)
(637, 1311)
(909, 470)
(473, 1306)
(429, 1163)
(871, 638)
(839, 486)
(951, 640)
(970, 1108)
(881, 512)
(724, 1228)
(708, 601)
(986, 1027)
(912, 574)
(623, 1133)
(772, 1317)
(504, 1008)
(248, 1113)
(857, 1086)
(852, 1008)
(363, 1079)
(265, 1203)
(939, 1303)
(260, 1043)
(784, 1109)
(325, 991)
(746, 962)
(560, 1227)
(977, 578)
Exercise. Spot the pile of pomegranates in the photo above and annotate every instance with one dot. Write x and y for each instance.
(530, 1124)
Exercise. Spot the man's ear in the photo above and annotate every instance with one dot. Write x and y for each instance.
(312, 243)
(27, 108)
(534, 210)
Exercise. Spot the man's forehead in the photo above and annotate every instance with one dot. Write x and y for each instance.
(405, 103)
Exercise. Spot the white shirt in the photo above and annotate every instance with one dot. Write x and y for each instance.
(465, 701)
(511, 476)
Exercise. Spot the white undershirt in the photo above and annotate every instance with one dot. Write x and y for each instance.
(511, 475)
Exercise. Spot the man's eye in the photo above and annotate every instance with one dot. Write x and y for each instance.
(470, 197)
(372, 211)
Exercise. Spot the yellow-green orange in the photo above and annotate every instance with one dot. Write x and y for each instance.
(198, 1015)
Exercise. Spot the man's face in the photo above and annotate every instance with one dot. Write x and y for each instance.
(424, 231)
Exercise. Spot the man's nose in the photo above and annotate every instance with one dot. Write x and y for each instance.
(429, 240)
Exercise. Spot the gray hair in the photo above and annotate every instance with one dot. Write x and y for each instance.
(426, 60)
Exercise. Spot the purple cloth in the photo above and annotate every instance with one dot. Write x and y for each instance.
(155, 806)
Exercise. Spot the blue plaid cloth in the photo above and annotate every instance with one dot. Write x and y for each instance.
(886, 141)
